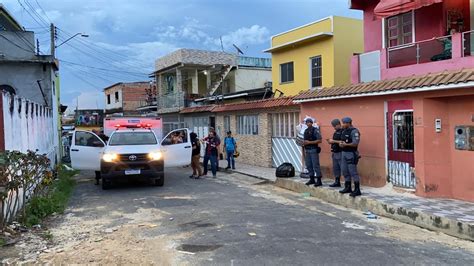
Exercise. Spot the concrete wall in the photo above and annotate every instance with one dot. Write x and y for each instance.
(17, 45)
(368, 116)
(300, 56)
(113, 103)
(23, 78)
(440, 169)
(29, 126)
(247, 79)
(346, 31)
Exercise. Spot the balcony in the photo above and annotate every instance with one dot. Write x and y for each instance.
(437, 49)
(245, 61)
(175, 101)
(428, 56)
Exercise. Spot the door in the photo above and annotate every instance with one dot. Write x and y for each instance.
(86, 150)
(401, 143)
(176, 148)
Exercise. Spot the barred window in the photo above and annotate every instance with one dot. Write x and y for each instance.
(284, 124)
(226, 123)
(247, 124)
(403, 135)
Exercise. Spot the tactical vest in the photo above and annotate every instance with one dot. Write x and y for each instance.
(336, 136)
(347, 138)
(310, 134)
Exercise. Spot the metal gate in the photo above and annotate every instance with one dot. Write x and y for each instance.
(286, 150)
(401, 146)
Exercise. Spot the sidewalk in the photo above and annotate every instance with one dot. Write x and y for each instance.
(453, 217)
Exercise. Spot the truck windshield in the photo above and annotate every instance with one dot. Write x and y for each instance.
(132, 138)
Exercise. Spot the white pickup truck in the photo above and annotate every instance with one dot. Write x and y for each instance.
(131, 152)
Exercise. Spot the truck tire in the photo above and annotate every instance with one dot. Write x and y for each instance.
(106, 184)
(158, 182)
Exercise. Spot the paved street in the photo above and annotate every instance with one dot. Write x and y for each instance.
(233, 220)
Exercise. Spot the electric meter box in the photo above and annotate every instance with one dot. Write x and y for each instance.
(464, 138)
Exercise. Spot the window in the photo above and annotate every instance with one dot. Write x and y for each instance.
(226, 123)
(132, 138)
(403, 137)
(316, 72)
(284, 124)
(108, 98)
(399, 29)
(176, 137)
(116, 96)
(286, 72)
(87, 139)
(247, 124)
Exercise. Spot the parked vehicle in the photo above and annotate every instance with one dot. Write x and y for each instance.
(132, 151)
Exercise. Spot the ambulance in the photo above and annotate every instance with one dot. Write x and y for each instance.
(135, 150)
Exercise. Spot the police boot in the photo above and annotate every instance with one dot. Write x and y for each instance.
(347, 188)
(311, 181)
(337, 182)
(318, 182)
(356, 190)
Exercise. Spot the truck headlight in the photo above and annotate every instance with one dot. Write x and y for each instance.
(154, 156)
(109, 157)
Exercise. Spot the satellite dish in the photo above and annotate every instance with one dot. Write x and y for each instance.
(238, 49)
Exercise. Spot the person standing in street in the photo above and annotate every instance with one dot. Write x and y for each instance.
(336, 152)
(230, 146)
(212, 152)
(350, 157)
(196, 155)
(312, 139)
(211, 129)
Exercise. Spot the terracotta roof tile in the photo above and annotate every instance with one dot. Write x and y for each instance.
(405, 83)
(198, 109)
(260, 104)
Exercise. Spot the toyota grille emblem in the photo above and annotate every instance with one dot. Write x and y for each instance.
(132, 157)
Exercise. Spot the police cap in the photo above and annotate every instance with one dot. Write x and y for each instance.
(347, 120)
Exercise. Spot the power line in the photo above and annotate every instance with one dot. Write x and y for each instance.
(93, 56)
(12, 42)
(35, 13)
(104, 69)
(112, 55)
(31, 15)
(44, 12)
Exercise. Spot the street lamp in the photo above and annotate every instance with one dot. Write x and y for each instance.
(82, 35)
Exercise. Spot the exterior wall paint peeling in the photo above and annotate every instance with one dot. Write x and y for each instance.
(29, 126)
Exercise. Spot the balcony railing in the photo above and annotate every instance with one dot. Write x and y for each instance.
(176, 100)
(255, 62)
(436, 49)
(468, 43)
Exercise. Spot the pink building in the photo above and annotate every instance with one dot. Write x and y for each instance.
(412, 97)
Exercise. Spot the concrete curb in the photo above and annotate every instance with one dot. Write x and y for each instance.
(428, 221)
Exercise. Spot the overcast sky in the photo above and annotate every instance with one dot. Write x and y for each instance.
(125, 36)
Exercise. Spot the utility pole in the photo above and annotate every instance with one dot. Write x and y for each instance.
(53, 37)
(37, 47)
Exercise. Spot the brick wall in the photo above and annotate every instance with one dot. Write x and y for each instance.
(253, 149)
(134, 95)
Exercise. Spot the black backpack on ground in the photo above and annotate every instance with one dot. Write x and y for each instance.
(285, 170)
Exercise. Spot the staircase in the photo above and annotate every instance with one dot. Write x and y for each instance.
(215, 85)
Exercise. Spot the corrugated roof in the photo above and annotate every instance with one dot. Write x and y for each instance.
(198, 109)
(392, 86)
(260, 104)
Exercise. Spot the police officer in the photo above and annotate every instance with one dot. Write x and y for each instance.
(336, 152)
(350, 157)
(312, 138)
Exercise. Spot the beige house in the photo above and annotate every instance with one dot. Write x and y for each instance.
(265, 130)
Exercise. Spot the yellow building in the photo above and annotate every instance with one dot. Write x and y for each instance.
(315, 55)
